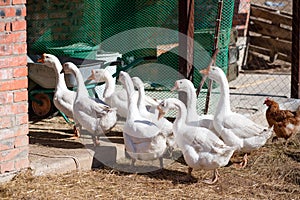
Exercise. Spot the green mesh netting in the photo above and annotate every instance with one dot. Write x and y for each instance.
(84, 28)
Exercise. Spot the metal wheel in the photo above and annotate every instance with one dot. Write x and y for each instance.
(42, 105)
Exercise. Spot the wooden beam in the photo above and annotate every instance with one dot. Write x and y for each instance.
(295, 87)
(186, 38)
(271, 30)
(271, 9)
(270, 15)
(281, 46)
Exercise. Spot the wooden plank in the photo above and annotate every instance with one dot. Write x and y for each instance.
(286, 58)
(186, 36)
(271, 15)
(281, 46)
(259, 50)
(266, 52)
(271, 30)
(186, 41)
(295, 77)
(271, 9)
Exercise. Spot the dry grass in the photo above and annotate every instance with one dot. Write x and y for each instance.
(273, 172)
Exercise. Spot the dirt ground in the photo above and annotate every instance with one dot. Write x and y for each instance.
(273, 172)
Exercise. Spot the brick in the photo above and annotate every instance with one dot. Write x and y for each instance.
(5, 26)
(23, 152)
(20, 96)
(21, 163)
(18, 25)
(20, 72)
(13, 61)
(15, 153)
(14, 131)
(21, 130)
(6, 97)
(8, 155)
(7, 144)
(6, 121)
(6, 73)
(15, 2)
(14, 84)
(7, 133)
(20, 107)
(13, 37)
(7, 12)
(21, 141)
(2, 26)
(19, 48)
(7, 167)
(5, 49)
(13, 11)
(12, 109)
(4, 2)
(6, 110)
(22, 12)
(21, 119)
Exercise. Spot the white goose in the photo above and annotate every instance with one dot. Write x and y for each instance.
(143, 139)
(165, 125)
(185, 85)
(235, 129)
(201, 148)
(117, 99)
(63, 98)
(96, 117)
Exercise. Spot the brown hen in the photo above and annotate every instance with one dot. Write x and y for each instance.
(285, 122)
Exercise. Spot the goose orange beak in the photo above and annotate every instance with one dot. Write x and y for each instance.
(175, 87)
(161, 113)
(92, 76)
(42, 59)
(205, 71)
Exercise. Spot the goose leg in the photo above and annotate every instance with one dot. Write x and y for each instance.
(76, 131)
(244, 162)
(214, 179)
(96, 140)
(132, 162)
(190, 171)
(161, 163)
(274, 139)
(188, 177)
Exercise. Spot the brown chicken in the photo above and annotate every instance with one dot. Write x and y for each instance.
(285, 122)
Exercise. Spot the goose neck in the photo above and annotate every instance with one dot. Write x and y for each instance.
(181, 114)
(141, 99)
(60, 77)
(191, 105)
(110, 86)
(132, 101)
(81, 89)
(224, 101)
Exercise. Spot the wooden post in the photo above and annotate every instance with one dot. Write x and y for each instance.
(186, 41)
(295, 87)
(186, 38)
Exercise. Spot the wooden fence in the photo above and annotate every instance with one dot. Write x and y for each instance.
(269, 37)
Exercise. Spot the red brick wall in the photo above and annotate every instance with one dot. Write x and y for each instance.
(241, 16)
(13, 87)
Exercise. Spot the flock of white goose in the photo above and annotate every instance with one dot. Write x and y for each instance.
(206, 141)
